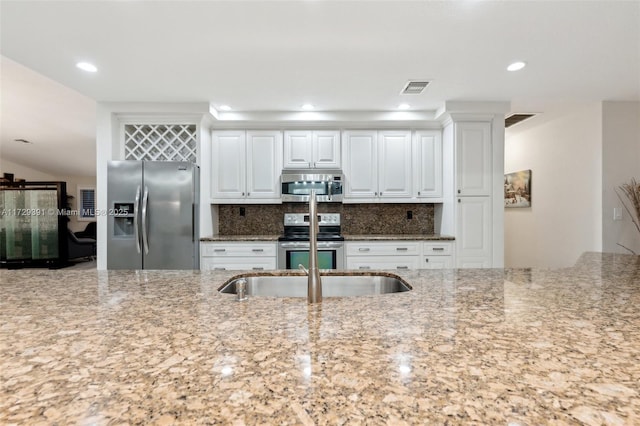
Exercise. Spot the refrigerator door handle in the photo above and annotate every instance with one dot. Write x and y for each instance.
(193, 222)
(136, 231)
(145, 202)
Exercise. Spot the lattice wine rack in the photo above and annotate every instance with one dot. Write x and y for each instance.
(160, 142)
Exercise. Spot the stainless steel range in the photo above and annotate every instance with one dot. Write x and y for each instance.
(293, 245)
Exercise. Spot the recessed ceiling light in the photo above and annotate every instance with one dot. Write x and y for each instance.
(404, 106)
(516, 66)
(86, 66)
(307, 107)
(225, 108)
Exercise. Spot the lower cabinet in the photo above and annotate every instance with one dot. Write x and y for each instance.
(398, 255)
(437, 255)
(233, 255)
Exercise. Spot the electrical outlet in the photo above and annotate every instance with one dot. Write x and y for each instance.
(617, 213)
(409, 214)
(242, 212)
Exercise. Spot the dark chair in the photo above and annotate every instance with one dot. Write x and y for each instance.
(81, 247)
(88, 232)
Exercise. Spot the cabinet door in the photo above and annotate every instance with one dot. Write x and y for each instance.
(394, 164)
(264, 164)
(427, 157)
(228, 165)
(298, 152)
(360, 164)
(437, 262)
(383, 262)
(473, 237)
(473, 158)
(326, 149)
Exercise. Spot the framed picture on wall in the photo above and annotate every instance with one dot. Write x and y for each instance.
(517, 189)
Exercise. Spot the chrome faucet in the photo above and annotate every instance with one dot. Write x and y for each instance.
(314, 286)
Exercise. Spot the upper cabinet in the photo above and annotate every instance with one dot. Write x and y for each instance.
(427, 163)
(394, 164)
(307, 149)
(377, 165)
(246, 166)
(473, 159)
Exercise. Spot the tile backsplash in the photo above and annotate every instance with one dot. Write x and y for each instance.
(266, 219)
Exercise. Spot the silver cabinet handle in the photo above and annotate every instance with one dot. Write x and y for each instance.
(418, 192)
(402, 267)
(426, 259)
(365, 267)
(459, 191)
(145, 238)
(219, 250)
(438, 249)
(258, 268)
(256, 250)
(219, 269)
(136, 231)
(364, 249)
(402, 248)
(248, 194)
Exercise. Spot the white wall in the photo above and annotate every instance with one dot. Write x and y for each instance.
(24, 172)
(621, 162)
(563, 148)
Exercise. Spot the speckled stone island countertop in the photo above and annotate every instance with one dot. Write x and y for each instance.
(504, 347)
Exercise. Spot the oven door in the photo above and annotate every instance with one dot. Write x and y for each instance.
(291, 254)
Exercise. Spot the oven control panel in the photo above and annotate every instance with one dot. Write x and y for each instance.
(302, 219)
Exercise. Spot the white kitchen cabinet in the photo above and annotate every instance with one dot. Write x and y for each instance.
(474, 233)
(399, 254)
(360, 164)
(382, 254)
(228, 165)
(437, 255)
(377, 165)
(233, 255)
(473, 183)
(473, 159)
(394, 164)
(427, 164)
(319, 149)
(246, 166)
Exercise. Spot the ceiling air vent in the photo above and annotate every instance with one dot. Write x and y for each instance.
(414, 87)
(515, 119)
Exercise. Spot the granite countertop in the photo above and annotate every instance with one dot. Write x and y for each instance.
(492, 346)
(214, 238)
(396, 237)
(347, 237)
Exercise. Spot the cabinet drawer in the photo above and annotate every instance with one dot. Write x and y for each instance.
(231, 249)
(238, 263)
(436, 249)
(381, 262)
(402, 248)
(437, 262)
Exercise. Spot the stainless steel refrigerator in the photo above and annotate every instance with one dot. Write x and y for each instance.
(153, 215)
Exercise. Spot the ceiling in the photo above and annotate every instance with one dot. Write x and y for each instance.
(266, 56)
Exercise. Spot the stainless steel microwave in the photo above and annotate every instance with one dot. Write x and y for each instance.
(297, 184)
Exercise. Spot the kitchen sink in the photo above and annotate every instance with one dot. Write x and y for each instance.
(333, 285)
